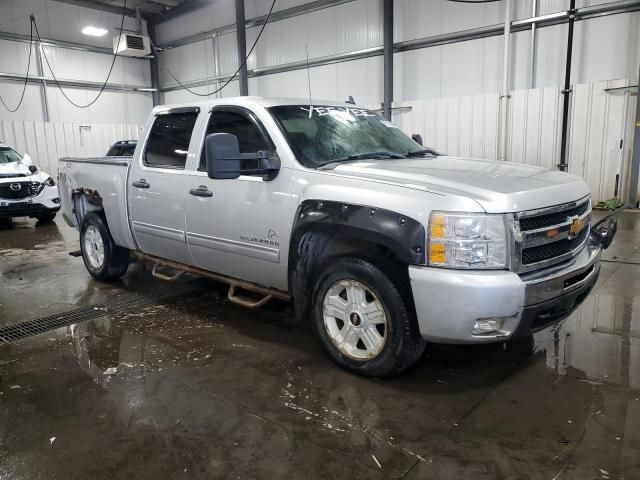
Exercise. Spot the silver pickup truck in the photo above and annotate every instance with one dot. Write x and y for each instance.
(380, 243)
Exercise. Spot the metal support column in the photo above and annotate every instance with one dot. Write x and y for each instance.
(634, 171)
(241, 38)
(566, 92)
(387, 20)
(504, 94)
(45, 98)
(533, 53)
(158, 96)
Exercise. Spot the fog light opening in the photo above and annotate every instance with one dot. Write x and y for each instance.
(486, 326)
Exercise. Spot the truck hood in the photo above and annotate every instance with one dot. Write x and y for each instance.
(499, 187)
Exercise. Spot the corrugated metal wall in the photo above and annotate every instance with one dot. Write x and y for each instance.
(63, 21)
(468, 126)
(47, 142)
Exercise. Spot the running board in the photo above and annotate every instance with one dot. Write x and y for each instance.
(267, 293)
(247, 302)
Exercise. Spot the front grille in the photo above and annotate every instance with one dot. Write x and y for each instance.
(553, 250)
(550, 235)
(14, 190)
(549, 219)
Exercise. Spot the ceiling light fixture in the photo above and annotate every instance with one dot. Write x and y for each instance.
(94, 31)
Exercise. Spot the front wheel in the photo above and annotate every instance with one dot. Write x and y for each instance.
(103, 258)
(364, 316)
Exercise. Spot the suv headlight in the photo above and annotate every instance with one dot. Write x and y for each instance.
(49, 182)
(467, 240)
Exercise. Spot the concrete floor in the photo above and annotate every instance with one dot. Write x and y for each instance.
(206, 389)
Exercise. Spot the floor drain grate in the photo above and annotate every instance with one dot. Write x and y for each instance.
(11, 333)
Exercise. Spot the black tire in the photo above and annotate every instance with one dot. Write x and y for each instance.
(403, 346)
(116, 259)
(46, 218)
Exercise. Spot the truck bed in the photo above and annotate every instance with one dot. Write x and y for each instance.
(105, 180)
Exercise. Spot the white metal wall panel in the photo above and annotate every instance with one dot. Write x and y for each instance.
(345, 28)
(14, 57)
(111, 107)
(180, 61)
(420, 18)
(460, 126)
(75, 64)
(217, 13)
(63, 21)
(606, 48)
(330, 82)
(597, 126)
(31, 107)
(468, 126)
(534, 124)
(47, 142)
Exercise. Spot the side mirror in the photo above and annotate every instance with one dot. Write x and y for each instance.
(223, 155)
(224, 160)
(416, 137)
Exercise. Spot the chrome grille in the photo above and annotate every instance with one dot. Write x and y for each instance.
(550, 235)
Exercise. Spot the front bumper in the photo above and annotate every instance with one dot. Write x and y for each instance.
(450, 302)
(46, 202)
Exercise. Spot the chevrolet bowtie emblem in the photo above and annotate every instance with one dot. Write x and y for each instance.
(575, 228)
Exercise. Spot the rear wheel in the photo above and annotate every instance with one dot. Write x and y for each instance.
(364, 316)
(103, 258)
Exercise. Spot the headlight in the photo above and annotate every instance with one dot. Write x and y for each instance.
(49, 182)
(467, 240)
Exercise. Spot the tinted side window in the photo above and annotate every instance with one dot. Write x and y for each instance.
(168, 141)
(249, 138)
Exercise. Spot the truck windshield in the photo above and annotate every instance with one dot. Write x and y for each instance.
(9, 155)
(323, 135)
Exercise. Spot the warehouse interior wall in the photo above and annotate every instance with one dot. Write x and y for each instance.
(604, 49)
(432, 81)
(62, 22)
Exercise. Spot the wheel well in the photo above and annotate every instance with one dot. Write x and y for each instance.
(84, 202)
(317, 247)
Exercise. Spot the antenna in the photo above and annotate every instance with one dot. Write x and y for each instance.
(306, 47)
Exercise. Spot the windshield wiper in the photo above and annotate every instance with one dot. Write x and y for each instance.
(424, 151)
(362, 156)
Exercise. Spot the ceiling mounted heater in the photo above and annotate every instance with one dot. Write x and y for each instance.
(129, 45)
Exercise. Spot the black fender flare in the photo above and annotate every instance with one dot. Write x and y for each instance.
(402, 235)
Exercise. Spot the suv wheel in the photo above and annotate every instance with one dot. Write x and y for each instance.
(364, 316)
(103, 258)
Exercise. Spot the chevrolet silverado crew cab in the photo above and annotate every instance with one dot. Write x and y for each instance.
(380, 243)
(25, 190)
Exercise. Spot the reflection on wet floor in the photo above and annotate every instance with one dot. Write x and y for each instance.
(199, 387)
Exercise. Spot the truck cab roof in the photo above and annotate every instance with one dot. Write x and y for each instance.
(265, 102)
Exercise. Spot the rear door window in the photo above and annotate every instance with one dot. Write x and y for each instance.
(168, 142)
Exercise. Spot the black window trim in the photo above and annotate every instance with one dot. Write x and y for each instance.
(143, 157)
(245, 112)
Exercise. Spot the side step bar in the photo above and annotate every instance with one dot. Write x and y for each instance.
(267, 293)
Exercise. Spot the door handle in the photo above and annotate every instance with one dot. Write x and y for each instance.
(201, 191)
(142, 183)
